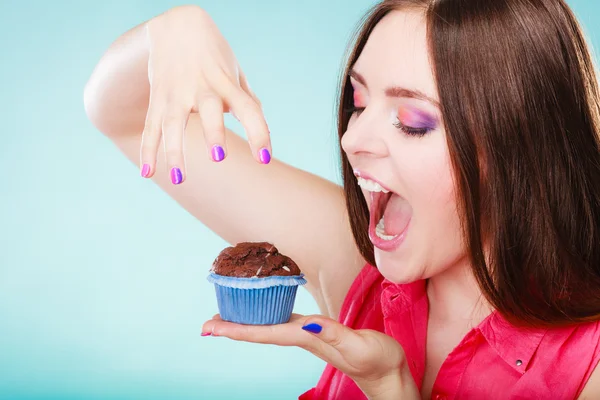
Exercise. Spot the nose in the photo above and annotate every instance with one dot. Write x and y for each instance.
(364, 137)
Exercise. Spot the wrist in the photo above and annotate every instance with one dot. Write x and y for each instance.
(179, 19)
(399, 384)
(188, 10)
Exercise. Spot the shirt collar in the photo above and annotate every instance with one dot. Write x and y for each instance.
(402, 297)
(515, 345)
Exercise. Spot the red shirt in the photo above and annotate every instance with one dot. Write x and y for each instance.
(495, 360)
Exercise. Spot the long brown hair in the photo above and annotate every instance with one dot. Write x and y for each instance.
(521, 110)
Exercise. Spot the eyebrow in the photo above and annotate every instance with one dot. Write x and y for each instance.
(397, 91)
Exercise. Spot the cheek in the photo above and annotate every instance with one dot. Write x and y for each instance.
(428, 171)
(433, 194)
(442, 232)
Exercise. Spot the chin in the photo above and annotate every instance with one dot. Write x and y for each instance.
(396, 268)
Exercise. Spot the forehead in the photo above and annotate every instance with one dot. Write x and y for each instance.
(396, 54)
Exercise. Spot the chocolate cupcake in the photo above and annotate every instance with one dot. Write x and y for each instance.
(255, 284)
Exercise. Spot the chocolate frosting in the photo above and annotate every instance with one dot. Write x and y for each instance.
(254, 259)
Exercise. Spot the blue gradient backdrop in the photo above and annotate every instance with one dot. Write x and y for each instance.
(102, 276)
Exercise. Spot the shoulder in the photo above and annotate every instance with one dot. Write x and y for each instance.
(591, 390)
(363, 297)
(591, 381)
(562, 362)
(367, 281)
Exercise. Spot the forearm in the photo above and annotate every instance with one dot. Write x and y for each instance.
(240, 199)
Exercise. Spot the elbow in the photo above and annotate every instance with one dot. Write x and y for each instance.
(98, 110)
(92, 107)
(89, 103)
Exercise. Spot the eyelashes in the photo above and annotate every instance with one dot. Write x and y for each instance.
(352, 110)
(412, 131)
(408, 130)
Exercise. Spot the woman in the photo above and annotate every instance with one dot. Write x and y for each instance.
(471, 163)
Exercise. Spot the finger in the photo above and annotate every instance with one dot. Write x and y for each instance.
(207, 330)
(288, 334)
(173, 126)
(246, 88)
(249, 114)
(334, 334)
(352, 352)
(151, 136)
(210, 109)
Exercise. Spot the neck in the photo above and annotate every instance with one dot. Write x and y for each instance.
(455, 297)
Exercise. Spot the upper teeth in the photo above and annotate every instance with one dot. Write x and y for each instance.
(370, 185)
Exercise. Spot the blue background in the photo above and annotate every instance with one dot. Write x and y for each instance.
(103, 285)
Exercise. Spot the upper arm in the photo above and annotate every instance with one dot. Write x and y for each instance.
(116, 95)
(239, 199)
(303, 215)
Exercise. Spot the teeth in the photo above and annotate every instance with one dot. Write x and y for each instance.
(380, 231)
(370, 185)
(373, 186)
(384, 237)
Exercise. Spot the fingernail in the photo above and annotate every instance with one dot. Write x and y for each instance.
(146, 170)
(217, 152)
(264, 155)
(313, 328)
(206, 334)
(176, 176)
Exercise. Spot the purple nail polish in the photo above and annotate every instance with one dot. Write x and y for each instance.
(217, 152)
(264, 155)
(145, 170)
(313, 328)
(176, 176)
(205, 334)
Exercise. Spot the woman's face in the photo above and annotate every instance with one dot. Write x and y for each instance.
(396, 142)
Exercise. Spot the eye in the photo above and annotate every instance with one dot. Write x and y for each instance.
(412, 131)
(358, 103)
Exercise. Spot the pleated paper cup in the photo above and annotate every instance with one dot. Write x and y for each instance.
(256, 301)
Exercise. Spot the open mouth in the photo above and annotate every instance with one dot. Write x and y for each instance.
(390, 215)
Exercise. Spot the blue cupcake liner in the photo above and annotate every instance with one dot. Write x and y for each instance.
(256, 283)
(256, 301)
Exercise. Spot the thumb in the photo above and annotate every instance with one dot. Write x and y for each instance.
(333, 333)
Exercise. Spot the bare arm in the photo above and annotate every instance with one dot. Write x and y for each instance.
(239, 199)
(592, 387)
(116, 95)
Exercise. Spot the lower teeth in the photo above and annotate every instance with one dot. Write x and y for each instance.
(380, 231)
